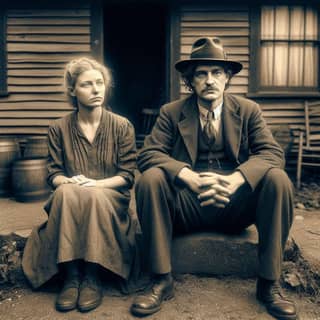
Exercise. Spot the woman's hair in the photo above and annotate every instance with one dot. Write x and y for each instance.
(75, 67)
(188, 73)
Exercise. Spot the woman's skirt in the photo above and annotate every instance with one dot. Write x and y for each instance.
(88, 223)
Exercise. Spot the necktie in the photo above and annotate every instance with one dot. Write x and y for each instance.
(209, 130)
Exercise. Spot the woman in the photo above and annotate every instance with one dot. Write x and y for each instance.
(91, 167)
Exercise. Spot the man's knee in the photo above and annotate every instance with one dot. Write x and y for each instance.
(278, 179)
(152, 177)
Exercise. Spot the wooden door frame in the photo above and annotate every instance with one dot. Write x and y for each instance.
(173, 52)
(96, 39)
(3, 52)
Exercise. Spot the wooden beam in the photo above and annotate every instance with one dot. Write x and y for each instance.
(174, 52)
(96, 30)
(254, 48)
(3, 53)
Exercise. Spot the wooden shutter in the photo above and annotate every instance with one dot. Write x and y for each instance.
(3, 53)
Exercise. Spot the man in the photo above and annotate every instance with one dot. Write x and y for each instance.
(211, 163)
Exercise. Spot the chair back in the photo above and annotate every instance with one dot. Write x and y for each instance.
(312, 123)
(149, 117)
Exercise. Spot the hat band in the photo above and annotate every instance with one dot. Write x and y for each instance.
(218, 55)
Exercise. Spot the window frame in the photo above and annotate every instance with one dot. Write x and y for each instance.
(255, 88)
(3, 53)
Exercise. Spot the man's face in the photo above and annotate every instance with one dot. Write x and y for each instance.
(209, 82)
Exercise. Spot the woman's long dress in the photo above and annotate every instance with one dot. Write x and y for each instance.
(89, 223)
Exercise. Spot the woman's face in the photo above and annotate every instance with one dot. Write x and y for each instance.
(89, 89)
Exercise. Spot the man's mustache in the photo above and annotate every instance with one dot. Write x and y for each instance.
(209, 88)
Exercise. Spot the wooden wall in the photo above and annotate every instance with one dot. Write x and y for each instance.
(283, 114)
(39, 43)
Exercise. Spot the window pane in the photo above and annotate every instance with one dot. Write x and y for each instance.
(311, 24)
(282, 23)
(281, 64)
(297, 23)
(296, 65)
(267, 23)
(311, 66)
(266, 64)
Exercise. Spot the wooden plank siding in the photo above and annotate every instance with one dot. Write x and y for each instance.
(230, 24)
(39, 44)
(282, 113)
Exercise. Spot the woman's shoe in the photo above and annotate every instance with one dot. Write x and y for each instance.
(90, 294)
(68, 297)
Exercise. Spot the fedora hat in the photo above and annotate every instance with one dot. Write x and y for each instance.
(208, 50)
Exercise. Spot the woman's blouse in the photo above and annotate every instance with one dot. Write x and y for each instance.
(112, 152)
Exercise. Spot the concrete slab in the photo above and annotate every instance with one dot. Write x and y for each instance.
(306, 234)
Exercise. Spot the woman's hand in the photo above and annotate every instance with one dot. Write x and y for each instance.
(59, 180)
(81, 180)
(114, 182)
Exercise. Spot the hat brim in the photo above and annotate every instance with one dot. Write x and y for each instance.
(234, 66)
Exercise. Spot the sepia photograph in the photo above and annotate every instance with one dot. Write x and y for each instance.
(159, 159)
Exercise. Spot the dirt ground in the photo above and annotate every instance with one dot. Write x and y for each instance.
(196, 298)
(308, 196)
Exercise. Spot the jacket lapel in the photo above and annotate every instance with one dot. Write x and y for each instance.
(188, 127)
(232, 125)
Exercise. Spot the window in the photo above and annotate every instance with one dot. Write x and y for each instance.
(3, 54)
(285, 49)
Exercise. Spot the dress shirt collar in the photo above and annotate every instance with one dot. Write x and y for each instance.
(217, 111)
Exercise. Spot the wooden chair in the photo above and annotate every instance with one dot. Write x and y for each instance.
(148, 117)
(309, 139)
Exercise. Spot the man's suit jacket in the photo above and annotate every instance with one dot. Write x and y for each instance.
(173, 142)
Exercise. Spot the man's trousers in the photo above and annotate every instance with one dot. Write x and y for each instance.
(165, 210)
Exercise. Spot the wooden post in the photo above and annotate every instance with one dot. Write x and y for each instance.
(97, 30)
(174, 52)
(299, 163)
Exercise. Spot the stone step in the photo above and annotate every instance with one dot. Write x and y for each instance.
(216, 253)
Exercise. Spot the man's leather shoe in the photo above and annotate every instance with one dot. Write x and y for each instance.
(68, 297)
(90, 295)
(150, 302)
(269, 293)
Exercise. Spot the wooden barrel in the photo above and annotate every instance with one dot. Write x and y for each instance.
(9, 151)
(36, 147)
(29, 180)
